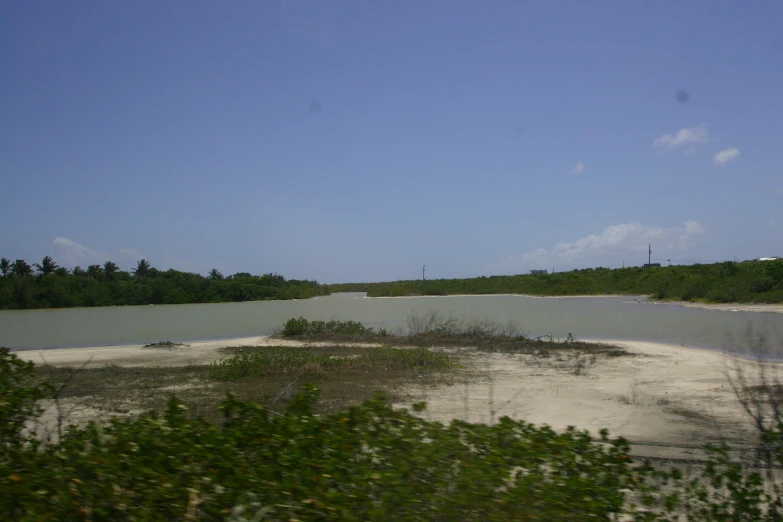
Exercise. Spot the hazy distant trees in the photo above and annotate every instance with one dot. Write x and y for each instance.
(20, 268)
(46, 267)
(143, 268)
(108, 285)
(95, 271)
(725, 282)
(110, 269)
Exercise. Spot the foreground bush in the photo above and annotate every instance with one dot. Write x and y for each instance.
(369, 462)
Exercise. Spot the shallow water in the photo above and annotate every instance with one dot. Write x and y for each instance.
(615, 318)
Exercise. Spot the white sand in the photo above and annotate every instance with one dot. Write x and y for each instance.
(203, 352)
(735, 307)
(667, 396)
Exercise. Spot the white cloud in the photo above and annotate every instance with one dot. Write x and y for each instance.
(630, 239)
(132, 253)
(579, 168)
(71, 253)
(726, 156)
(688, 136)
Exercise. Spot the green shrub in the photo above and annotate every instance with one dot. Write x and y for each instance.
(303, 327)
(19, 396)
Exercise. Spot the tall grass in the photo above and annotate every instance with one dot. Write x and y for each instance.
(303, 327)
(435, 323)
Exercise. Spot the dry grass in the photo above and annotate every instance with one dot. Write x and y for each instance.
(126, 389)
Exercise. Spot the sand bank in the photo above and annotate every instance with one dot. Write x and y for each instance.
(668, 400)
(202, 352)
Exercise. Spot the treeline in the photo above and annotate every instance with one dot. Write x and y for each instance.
(748, 281)
(47, 285)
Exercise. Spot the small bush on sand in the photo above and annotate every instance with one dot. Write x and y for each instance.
(284, 360)
(303, 327)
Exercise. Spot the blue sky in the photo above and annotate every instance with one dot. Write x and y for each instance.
(354, 141)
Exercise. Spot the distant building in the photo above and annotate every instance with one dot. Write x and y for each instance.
(768, 258)
(538, 272)
(648, 265)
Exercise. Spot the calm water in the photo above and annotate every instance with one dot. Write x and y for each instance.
(617, 318)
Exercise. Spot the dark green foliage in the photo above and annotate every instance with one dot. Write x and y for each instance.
(748, 281)
(46, 267)
(19, 396)
(110, 269)
(142, 268)
(108, 286)
(20, 268)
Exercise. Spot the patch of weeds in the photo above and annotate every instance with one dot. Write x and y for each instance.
(691, 415)
(166, 344)
(633, 395)
(285, 360)
(301, 327)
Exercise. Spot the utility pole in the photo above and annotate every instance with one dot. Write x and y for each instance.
(649, 255)
(423, 268)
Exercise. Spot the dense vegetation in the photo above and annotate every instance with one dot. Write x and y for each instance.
(748, 281)
(46, 285)
(367, 462)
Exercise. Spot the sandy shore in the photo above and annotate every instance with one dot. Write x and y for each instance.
(668, 400)
(726, 307)
(732, 307)
(203, 352)
(512, 295)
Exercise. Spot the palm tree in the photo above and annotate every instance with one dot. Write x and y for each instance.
(47, 266)
(95, 271)
(110, 269)
(5, 266)
(142, 268)
(20, 268)
(215, 275)
(78, 271)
